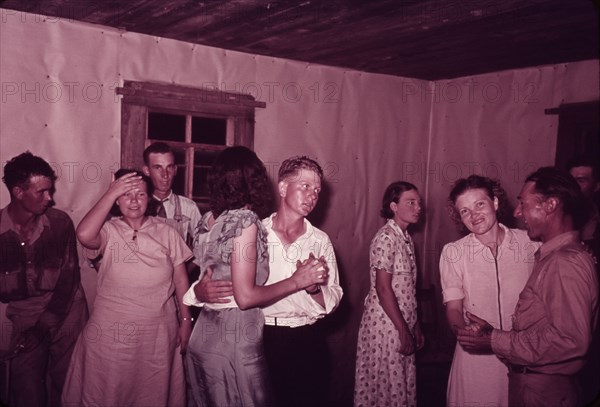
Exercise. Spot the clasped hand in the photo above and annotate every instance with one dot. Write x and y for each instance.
(477, 336)
(311, 272)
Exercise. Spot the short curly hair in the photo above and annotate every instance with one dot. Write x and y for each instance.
(19, 170)
(492, 188)
(291, 166)
(238, 178)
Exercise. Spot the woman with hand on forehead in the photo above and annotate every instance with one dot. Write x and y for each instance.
(483, 274)
(127, 354)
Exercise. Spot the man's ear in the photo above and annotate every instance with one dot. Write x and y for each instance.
(551, 204)
(282, 188)
(17, 192)
(146, 170)
(393, 206)
(496, 203)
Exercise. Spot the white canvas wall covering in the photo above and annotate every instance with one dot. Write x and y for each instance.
(58, 79)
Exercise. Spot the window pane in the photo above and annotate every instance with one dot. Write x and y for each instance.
(179, 181)
(202, 162)
(179, 156)
(163, 126)
(207, 130)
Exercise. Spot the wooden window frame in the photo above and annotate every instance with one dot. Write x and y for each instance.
(577, 133)
(141, 98)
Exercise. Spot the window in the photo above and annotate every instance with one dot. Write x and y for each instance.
(578, 125)
(196, 123)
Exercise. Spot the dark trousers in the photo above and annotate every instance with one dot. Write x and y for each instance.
(50, 360)
(542, 390)
(299, 365)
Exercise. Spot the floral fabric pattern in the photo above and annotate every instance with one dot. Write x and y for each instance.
(384, 377)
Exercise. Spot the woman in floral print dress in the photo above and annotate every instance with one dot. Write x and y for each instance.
(389, 332)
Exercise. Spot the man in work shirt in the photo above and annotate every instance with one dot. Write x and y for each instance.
(558, 308)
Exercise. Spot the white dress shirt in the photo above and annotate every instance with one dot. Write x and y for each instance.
(300, 308)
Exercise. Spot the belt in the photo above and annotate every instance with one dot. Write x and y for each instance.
(522, 369)
(287, 322)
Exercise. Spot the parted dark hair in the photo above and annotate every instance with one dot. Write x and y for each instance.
(552, 182)
(157, 147)
(584, 160)
(19, 170)
(392, 194)
(151, 208)
(238, 178)
(492, 188)
(291, 166)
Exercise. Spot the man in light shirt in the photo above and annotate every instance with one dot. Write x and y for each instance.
(182, 213)
(295, 346)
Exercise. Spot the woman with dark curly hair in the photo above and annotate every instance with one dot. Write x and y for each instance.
(482, 273)
(225, 357)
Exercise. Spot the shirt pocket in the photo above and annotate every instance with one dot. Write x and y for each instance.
(48, 275)
(12, 284)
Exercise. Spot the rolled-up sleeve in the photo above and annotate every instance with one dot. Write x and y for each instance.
(451, 275)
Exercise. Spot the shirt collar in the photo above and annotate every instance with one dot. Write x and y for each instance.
(398, 229)
(309, 230)
(167, 199)
(507, 240)
(6, 224)
(557, 242)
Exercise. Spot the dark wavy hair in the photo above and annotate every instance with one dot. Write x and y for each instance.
(552, 182)
(19, 170)
(238, 178)
(151, 208)
(492, 188)
(392, 194)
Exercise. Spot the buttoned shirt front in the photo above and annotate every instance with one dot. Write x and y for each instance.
(299, 308)
(556, 312)
(40, 276)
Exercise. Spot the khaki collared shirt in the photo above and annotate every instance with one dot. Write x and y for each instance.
(556, 312)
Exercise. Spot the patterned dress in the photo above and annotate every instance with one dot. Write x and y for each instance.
(385, 377)
(225, 358)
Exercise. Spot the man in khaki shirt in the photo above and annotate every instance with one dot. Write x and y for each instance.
(558, 308)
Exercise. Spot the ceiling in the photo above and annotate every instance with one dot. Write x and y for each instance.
(426, 39)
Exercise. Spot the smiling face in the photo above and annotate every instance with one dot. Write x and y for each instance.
(300, 192)
(408, 209)
(161, 169)
(133, 204)
(530, 210)
(36, 196)
(477, 210)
